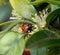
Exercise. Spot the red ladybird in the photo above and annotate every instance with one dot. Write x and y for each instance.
(27, 27)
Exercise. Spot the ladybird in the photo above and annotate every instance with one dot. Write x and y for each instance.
(26, 27)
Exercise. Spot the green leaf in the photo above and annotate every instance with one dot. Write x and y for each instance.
(54, 7)
(5, 12)
(17, 48)
(10, 41)
(43, 38)
(23, 8)
(7, 40)
(52, 15)
(53, 18)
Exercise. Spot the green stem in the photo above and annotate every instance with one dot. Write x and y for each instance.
(38, 2)
(53, 2)
(28, 21)
(13, 23)
(31, 20)
(5, 23)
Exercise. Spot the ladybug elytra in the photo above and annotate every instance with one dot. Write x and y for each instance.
(27, 27)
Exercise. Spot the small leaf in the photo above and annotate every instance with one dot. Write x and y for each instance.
(43, 38)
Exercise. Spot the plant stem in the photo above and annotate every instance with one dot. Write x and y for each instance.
(5, 23)
(38, 2)
(13, 23)
(53, 2)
